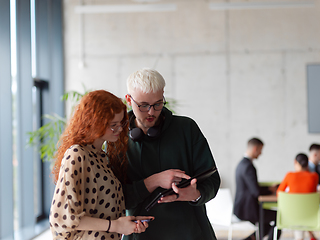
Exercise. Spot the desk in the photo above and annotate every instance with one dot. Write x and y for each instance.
(263, 200)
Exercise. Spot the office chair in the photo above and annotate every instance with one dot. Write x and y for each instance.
(220, 212)
(297, 212)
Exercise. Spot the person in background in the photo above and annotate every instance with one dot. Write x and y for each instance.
(88, 201)
(300, 181)
(163, 149)
(246, 205)
(314, 158)
(314, 161)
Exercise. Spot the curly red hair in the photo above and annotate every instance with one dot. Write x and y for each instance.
(89, 122)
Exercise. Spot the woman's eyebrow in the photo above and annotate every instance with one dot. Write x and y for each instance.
(113, 122)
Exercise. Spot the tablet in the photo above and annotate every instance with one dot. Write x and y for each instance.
(184, 183)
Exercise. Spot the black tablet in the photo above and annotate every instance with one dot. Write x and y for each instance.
(184, 183)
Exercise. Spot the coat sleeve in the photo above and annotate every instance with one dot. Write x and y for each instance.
(251, 181)
(203, 160)
(134, 189)
(135, 193)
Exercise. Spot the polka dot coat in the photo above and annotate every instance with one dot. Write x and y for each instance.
(86, 187)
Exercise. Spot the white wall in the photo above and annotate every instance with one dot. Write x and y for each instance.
(238, 73)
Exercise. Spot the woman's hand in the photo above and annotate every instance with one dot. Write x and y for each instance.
(127, 225)
(142, 224)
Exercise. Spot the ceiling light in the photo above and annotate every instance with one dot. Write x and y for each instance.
(260, 5)
(126, 8)
(146, 1)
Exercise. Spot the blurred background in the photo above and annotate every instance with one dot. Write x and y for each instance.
(240, 69)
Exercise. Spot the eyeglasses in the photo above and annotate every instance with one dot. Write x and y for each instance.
(146, 107)
(116, 128)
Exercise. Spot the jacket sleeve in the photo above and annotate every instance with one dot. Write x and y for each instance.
(203, 160)
(134, 189)
(251, 180)
(135, 193)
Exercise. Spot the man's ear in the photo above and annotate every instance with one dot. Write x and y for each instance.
(128, 99)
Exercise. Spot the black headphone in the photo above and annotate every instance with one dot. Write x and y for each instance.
(136, 133)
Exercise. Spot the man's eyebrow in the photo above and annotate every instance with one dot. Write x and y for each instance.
(154, 102)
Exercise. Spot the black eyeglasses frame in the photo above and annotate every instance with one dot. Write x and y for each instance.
(153, 105)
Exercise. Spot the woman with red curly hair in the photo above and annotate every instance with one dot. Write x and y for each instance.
(88, 201)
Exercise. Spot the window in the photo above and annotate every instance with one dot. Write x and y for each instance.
(313, 76)
(29, 30)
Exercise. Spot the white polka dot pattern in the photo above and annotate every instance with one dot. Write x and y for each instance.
(86, 187)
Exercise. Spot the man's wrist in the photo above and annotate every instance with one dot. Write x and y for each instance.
(151, 182)
(197, 199)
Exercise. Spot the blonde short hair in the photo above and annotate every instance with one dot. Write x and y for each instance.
(147, 80)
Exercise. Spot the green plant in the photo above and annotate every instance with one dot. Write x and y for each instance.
(171, 104)
(45, 138)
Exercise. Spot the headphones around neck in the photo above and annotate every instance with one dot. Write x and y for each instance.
(136, 133)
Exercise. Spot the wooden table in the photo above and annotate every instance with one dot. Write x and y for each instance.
(262, 200)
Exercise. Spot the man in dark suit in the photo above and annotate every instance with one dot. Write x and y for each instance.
(246, 205)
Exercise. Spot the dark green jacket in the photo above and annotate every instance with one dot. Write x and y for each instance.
(181, 145)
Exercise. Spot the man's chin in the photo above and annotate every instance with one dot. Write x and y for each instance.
(148, 125)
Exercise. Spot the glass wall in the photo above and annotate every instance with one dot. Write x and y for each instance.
(31, 84)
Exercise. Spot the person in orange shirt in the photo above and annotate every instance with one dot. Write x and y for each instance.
(300, 181)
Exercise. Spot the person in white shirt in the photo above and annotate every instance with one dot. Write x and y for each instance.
(314, 160)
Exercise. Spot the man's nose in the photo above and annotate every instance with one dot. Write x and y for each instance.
(151, 110)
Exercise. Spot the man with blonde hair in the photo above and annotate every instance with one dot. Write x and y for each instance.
(164, 149)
